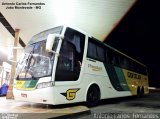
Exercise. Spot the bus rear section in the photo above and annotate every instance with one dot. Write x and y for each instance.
(125, 75)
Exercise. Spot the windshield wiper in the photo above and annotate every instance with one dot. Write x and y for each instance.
(30, 56)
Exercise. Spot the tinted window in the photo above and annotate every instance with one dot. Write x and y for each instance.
(95, 50)
(71, 55)
(100, 53)
(92, 50)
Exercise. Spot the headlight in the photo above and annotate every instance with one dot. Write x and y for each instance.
(45, 85)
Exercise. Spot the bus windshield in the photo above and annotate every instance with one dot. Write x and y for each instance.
(36, 62)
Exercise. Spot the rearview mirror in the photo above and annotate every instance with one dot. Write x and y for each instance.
(50, 42)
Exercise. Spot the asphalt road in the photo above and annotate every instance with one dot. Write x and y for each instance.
(147, 107)
(127, 107)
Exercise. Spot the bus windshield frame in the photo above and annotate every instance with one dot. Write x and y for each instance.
(36, 62)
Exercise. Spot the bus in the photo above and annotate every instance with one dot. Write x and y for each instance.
(65, 65)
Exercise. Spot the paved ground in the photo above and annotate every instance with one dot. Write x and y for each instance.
(12, 109)
(128, 107)
(121, 108)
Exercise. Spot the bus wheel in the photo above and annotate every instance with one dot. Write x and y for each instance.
(138, 92)
(93, 96)
(142, 92)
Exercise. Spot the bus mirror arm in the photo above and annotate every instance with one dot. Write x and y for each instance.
(54, 52)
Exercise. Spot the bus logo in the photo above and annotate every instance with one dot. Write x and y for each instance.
(133, 75)
(95, 68)
(70, 93)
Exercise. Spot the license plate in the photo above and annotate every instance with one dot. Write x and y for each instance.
(24, 95)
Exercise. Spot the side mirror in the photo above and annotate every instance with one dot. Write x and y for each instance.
(50, 41)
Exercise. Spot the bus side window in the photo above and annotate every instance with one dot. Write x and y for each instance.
(71, 55)
(110, 57)
(66, 63)
(107, 57)
(124, 63)
(66, 57)
(121, 62)
(100, 53)
(78, 40)
(114, 60)
(95, 50)
(91, 50)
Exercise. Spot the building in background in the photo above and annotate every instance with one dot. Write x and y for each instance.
(5, 71)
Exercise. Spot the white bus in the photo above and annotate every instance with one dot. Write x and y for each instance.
(65, 65)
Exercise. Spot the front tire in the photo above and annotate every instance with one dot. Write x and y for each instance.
(93, 96)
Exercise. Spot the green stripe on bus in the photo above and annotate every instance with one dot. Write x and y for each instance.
(30, 84)
(113, 77)
(121, 78)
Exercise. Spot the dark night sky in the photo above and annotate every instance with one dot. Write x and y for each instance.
(138, 36)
